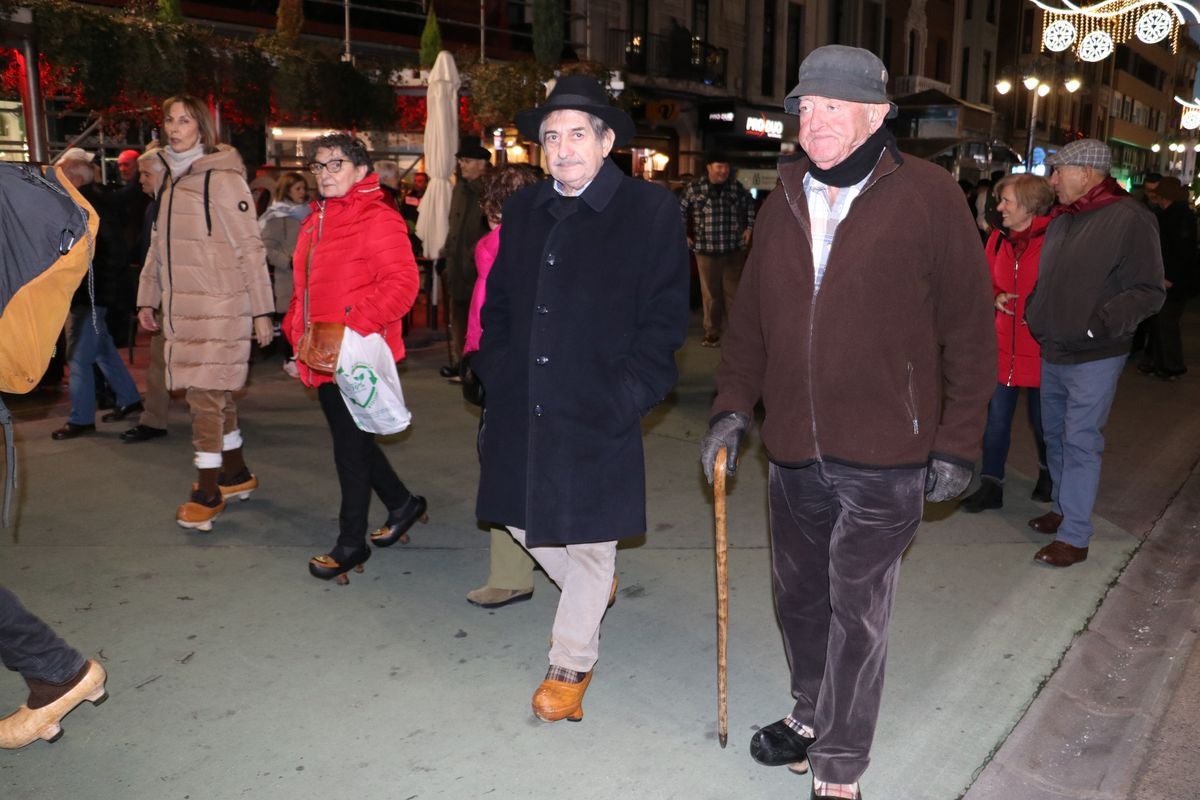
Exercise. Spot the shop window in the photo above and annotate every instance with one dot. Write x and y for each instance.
(700, 19)
(768, 49)
(965, 73)
(795, 39)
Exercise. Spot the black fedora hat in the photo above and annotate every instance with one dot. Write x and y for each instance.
(578, 93)
(471, 147)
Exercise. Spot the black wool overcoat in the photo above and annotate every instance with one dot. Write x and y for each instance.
(586, 305)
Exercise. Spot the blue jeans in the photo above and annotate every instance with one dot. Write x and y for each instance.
(90, 343)
(1076, 399)
(997, 436)
(31, 647)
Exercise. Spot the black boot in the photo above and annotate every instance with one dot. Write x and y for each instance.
(1044, 487)
(990, 494)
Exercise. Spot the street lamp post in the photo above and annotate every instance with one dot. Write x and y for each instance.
(1038, 89)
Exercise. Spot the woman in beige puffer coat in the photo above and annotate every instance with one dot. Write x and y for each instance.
(207, 272)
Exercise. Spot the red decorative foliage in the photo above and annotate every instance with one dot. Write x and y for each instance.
(411, 113)
(56, 82)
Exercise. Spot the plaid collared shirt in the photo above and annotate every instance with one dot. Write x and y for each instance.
(825, 219)
(716, 215)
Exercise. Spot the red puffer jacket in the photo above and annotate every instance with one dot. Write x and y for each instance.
(362, 272)
(1014, 263)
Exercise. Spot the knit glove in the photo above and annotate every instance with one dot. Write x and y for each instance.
(726, 430)
(945, 480)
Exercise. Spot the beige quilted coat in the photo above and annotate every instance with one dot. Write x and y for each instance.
(207, 270)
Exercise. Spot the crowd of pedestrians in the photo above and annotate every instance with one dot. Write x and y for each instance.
(880, 345)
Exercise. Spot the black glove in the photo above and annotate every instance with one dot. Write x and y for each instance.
(726, 430)
(946, 480)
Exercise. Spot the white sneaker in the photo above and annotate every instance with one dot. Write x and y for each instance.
(290, 368)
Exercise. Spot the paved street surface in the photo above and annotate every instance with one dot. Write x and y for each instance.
(233, 673)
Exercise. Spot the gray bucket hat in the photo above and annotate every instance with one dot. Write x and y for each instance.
(843, 73)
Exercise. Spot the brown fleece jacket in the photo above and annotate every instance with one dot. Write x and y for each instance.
(894, 359)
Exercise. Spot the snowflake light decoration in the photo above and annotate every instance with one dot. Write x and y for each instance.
(1095, 30)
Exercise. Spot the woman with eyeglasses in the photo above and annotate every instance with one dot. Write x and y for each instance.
(353, 265)
(207, 271)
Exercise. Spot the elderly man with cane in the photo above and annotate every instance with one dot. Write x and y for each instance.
(586, 306)
(864, 325)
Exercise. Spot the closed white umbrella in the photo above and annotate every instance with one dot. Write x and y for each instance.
(441, 142)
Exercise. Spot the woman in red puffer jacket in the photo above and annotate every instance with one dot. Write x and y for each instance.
(354, 262)
(1012, 254)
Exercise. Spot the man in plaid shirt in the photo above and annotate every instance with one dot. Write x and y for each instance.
(719, 215)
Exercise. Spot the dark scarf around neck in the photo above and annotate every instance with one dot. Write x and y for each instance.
(860, 163)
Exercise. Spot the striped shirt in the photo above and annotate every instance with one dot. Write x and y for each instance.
(825, 219)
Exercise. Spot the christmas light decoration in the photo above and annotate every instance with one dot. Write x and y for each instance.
(1095, 30)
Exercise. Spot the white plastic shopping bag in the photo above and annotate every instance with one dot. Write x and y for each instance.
(366, 375)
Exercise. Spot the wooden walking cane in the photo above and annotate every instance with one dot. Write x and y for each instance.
(722, 552)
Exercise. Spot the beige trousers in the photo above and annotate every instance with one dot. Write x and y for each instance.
(511, 566)
(719, 278)
(584, 573)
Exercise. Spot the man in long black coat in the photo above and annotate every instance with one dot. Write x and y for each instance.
(586, 305)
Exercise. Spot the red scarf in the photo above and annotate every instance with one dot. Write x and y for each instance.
(1105, 193)
(1019, 240)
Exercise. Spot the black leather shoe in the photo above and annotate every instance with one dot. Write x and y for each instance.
(71, 430)
(121, 412)
(777, 744)
(448, 371)
(140, 433)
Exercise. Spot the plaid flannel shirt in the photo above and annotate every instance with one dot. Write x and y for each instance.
(716, 215)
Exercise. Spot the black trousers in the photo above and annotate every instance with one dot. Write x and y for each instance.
(1164, 351)
(837, 534)
(361, 468)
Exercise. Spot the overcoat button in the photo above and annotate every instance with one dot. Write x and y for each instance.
(543, 309)
(537, 410)
(542, 361)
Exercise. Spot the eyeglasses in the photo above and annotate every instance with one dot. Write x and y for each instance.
(334, 165)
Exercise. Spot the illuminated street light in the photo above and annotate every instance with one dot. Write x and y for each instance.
(1004, 86)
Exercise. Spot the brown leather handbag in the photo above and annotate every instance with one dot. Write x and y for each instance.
(319, 346)
(321, 342)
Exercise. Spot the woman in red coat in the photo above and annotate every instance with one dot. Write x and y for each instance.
(1013, 254)
(354, 265)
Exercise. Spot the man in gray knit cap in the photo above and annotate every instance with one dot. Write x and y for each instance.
(864, 325)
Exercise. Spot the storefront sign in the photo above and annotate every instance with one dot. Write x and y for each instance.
(744, 121)
(762, 127)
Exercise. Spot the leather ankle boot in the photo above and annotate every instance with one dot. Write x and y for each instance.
(990, 494)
